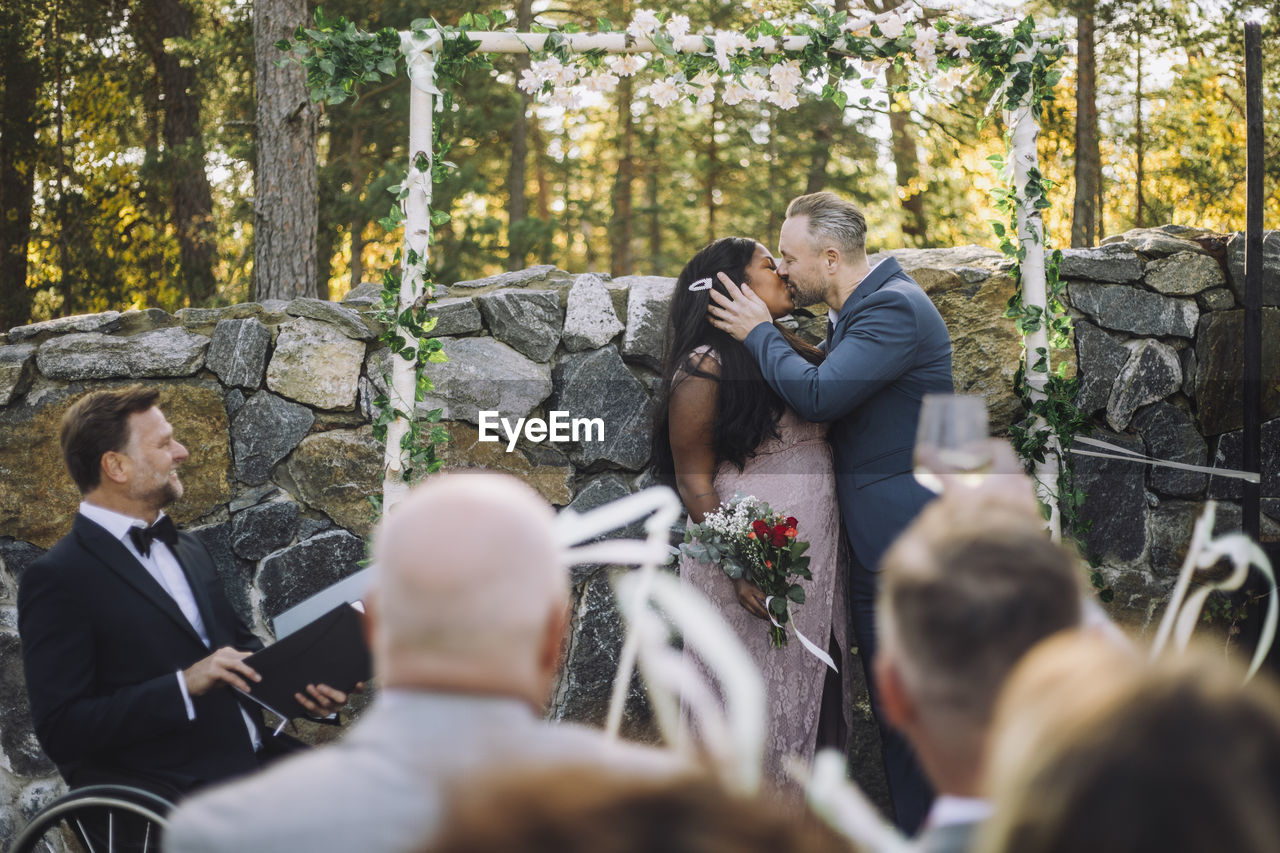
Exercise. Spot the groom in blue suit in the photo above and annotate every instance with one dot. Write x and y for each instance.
(887, 347)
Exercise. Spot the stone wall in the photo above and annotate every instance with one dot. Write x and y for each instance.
(273, 401)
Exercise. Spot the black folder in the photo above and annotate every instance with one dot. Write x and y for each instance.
(331, 650)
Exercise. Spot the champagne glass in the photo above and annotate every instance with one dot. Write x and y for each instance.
(952, 439)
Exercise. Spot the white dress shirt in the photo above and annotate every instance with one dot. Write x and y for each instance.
(162, 564)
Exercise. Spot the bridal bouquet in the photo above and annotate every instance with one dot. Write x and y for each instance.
(749, 539)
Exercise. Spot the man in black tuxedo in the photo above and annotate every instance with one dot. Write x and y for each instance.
(129, 644)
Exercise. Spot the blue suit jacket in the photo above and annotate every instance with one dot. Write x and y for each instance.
(887, 349)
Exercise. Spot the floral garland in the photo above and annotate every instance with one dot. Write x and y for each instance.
(768, 64)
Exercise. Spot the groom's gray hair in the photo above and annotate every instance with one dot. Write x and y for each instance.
(833, 221)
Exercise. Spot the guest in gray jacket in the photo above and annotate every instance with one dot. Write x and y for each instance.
(887, 347)
(467, 618)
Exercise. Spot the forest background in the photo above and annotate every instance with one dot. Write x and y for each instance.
(144, 142)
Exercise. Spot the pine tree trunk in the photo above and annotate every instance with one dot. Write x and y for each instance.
(653, 202)
(828, 117)
(286, 185)
(1138, 141)
(164, 22)
(620, 221)
(1085, 216)
(517, 206)
(20, 75)
(359, 175)
(712, 172)
(906, 164)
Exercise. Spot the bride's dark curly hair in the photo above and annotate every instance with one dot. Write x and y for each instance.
(748, 409)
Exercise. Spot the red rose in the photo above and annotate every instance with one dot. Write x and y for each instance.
(791, 521)
(759, 527)
(779, 538)
(779, 530)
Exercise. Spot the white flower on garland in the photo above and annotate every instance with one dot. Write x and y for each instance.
(784, 100)
(626, 65)
(601, 81)
(643, 24)
(530, 83)
(569, 98)
(948, 81)
(956, 42)
(757, 88)
(706, 93)
(925, 44)
(554, 71)
(727, 43)
(678, 27)
(736, 93)
(786, 76)
(664, 93)
(892, 26)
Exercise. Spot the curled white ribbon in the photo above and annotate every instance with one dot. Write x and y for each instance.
(804, 641)
(419, 49)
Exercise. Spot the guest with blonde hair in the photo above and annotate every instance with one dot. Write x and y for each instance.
(1096, 750)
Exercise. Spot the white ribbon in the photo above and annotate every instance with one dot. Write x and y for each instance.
(804, 641)
(1133, 456)
(419, 51)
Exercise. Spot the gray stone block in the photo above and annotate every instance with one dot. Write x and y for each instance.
(1229, 453)
(238, 352)
(1170, 434)
(107, 321)
(1235, 262)
(363, 296)
(21, 751)
(1115, 505)
(1101, 356)
(15, 371)
(345, 320)
(315, 363)
(1155, 243)
(1152, 373)
(1172, 523)
(1220, 368)
(1218, 299)
(590, 321)
(290, 576)
(648, 305)
(596, 493)
(235, 572)
(261, 529)
(482, 374)
(542, 275)
(1115, 262)
(90, 355)
(263, 432)
(1184, 274)
(597, 384)
(529, 321)
(457, 315)
(1134, 310)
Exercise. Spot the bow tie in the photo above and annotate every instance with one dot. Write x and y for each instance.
(163, 530)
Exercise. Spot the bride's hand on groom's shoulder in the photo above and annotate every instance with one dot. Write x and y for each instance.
(739, 312)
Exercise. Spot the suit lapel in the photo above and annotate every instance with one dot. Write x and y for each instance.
(110, 552)
(193, 561)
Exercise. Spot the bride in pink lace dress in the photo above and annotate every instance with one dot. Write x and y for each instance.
(721, 430)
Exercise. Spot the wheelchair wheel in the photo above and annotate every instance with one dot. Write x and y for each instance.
(97, 819)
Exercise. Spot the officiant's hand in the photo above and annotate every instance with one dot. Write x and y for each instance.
(738, 313)
(751, 597)
(321, 700)
(225, 666)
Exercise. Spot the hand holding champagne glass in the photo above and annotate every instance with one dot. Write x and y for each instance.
(952, 439)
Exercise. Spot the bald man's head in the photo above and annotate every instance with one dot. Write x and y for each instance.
(469, 587)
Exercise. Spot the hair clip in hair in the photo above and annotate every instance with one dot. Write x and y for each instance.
(701, 284)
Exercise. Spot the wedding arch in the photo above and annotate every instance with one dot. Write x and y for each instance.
(827, 54)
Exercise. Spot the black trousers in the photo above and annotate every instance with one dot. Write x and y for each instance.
(909, 788)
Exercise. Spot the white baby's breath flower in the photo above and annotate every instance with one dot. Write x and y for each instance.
(664, 93)
(678, 27)
(956, 42)
(600, 81)
(644, 23)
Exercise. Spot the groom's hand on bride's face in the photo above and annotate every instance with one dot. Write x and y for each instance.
(739, 312)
